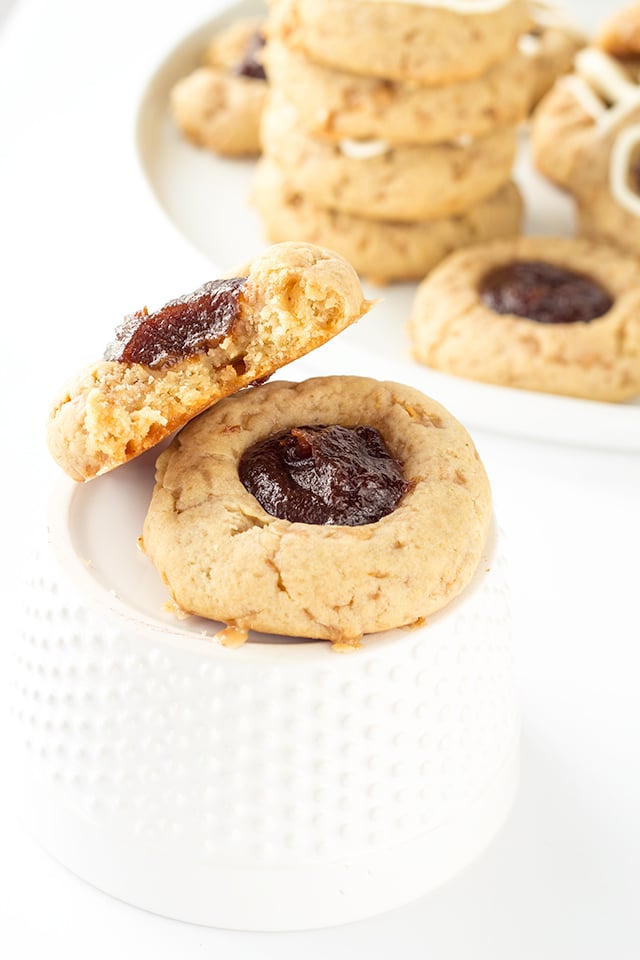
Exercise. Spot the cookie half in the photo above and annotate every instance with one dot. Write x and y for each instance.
(556, 315)
(224, 556)
(166, 367)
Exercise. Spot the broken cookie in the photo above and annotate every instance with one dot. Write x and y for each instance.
(165, 367)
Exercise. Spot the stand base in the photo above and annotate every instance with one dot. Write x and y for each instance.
(267, 898)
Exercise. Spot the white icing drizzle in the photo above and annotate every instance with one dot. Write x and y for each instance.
(584, 94)
(598, 73)
(549, 15)
(364, 149)
(528, 44)
(455, 6)
(607, 78)
(605, 75)
(619, 164)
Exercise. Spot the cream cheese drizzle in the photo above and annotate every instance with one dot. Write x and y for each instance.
(606, 76)
(584, 94)
(600, 76)
(364, 149)
(549, 15)
(619, 166)
(529, 45)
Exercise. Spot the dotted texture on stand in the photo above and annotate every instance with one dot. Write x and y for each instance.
(276, 764)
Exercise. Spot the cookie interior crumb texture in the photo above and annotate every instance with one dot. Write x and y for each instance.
(222, 556)
(296, 297)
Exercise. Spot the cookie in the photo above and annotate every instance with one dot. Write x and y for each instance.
(434, 43)
(238, 47)
(219, 105)
(619, 35)
(577, 124)
(556, 315)
(335, 105)
(375, 180)
(166, 367)
(586, 139)
(549, 46)
(381, 250)
(223, 556)
(600, 217)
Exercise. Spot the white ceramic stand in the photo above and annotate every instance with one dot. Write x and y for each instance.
(277, 786)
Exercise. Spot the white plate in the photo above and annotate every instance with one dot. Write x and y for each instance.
(206, 198)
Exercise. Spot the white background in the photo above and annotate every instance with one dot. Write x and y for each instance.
(5, 7)
(81, 243)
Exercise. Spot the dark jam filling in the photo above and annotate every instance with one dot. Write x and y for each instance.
(634, 176)
(324, 475)
(544, 292)
(251, 63)
(182, 328)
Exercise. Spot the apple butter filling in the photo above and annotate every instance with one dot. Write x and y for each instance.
(182, 328)
(250, 65)
(544, 292)
(324, 475)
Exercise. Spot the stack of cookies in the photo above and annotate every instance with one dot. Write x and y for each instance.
(390, 130)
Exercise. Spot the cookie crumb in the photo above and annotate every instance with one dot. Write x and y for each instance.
(232, 637)
(346, 646)
(170, 606)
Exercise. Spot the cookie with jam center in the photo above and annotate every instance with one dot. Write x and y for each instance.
(165, 367)
(556, 315)
(326, 509)
(218, 106)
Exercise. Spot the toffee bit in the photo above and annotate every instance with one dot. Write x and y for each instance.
(232, 637)
(346, 646)
(170, 606)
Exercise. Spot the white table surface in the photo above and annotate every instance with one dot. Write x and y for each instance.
(81, 242)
